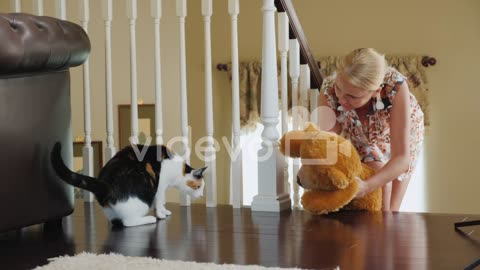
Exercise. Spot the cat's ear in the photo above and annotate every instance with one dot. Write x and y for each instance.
(198, 173)
(187, 169)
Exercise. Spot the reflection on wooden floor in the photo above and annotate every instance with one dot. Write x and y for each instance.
(351, 240)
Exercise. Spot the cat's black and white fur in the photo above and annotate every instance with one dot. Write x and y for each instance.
(128, 186)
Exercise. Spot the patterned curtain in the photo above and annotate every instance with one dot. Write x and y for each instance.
(250, 74)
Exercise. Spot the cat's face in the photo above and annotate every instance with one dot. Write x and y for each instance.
(193, 182)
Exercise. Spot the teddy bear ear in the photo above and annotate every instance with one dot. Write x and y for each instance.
(311, 127)
(291, 142)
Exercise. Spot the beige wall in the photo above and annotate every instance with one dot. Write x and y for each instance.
(447, 30)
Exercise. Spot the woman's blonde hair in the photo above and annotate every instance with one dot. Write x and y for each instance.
(364, 68)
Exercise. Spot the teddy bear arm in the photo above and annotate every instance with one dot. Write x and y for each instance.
(339, 179)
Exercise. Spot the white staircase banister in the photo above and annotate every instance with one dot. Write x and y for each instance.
(156, 12)
(132, 17)
(271, 196)
(16, 6)
(84, 14)
(181, 6)
(236, 162)
(37, 7)
(107, 12)
(210, 152)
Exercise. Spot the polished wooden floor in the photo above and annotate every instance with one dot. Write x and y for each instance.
(351, 240)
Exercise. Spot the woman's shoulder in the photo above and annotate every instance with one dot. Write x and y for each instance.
(391, 83)
(393, 77)
(328, 91)
(328, 82)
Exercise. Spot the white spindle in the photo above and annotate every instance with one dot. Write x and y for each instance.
(304, 89)
(156, 10)
(16, 5)
(61, 9)
(294, 70)
(303, 104)
(283, 48)
(210, 152)
(236, 162)
(132, 17)
(37, 7)
(271, 195)
(181, 14)
(84, 14)
(314, 105)
(107, 10)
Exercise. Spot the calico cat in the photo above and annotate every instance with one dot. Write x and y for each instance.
(128, 187)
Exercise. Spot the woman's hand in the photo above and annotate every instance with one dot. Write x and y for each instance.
(363, 188)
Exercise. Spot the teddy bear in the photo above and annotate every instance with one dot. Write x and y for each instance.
(330, 166)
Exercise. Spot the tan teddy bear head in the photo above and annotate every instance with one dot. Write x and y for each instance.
(330, 164)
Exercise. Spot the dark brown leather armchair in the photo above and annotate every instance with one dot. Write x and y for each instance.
(35, 56)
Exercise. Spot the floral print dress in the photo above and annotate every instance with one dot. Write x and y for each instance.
(372, 137)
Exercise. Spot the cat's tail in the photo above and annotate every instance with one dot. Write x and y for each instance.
(97, 187)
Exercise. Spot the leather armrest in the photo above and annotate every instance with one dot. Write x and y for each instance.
(30, 43)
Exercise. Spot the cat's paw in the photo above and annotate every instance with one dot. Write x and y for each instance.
(162, 213)
(150, 219)
(139, 221)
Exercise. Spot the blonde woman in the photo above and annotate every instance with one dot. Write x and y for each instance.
(376, 111)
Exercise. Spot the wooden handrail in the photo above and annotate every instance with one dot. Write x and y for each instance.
(297, 30)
